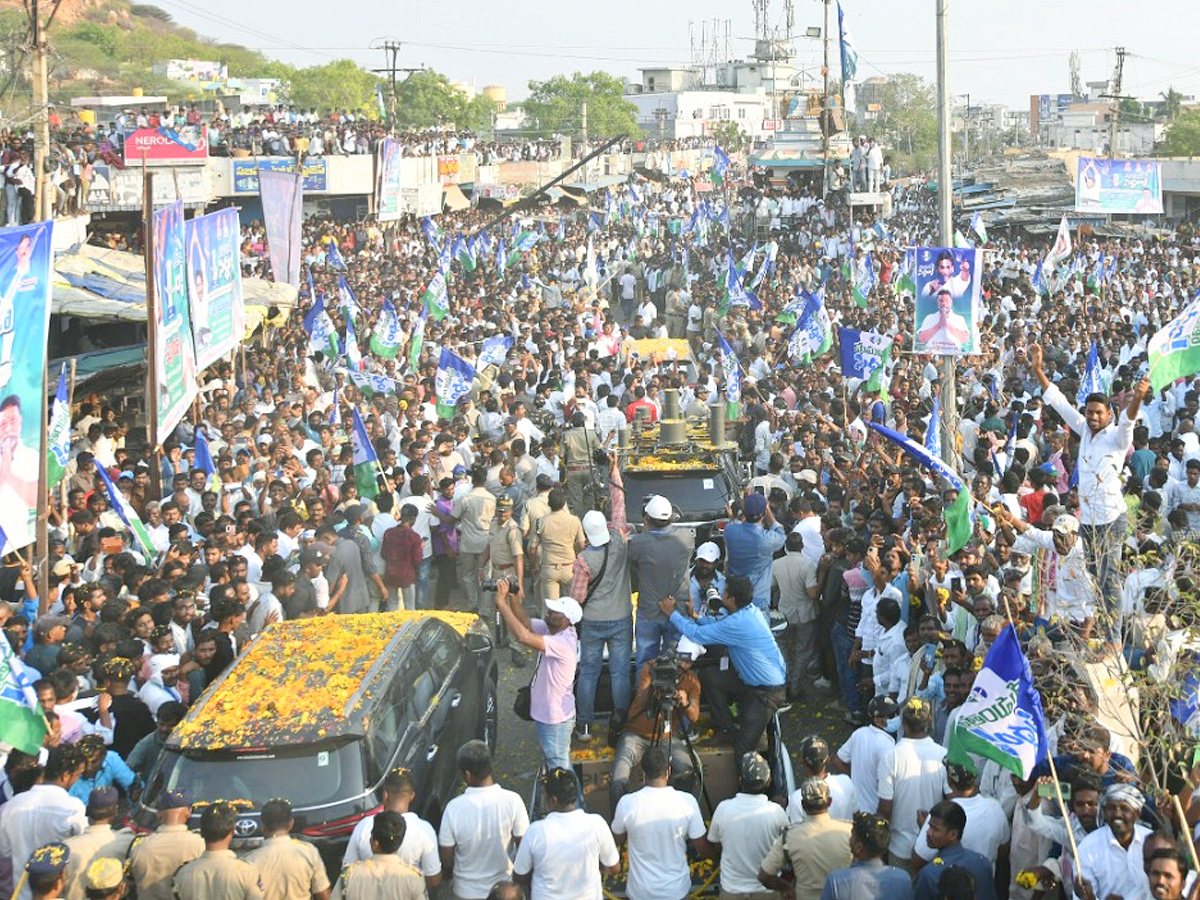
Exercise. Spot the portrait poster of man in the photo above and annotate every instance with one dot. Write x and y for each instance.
(25, 285)
(947, 302)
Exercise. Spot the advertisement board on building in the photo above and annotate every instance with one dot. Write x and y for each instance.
(166, 146)
(113, 188)
(245, 173)
(1118, 186)
(448, 169)
(1063, 101)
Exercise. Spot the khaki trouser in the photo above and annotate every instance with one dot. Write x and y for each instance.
(556, 580)
(755, 895)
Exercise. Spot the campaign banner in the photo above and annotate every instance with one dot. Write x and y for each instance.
(947, 301)
(166, 145)
(282, 195)
(175, 358)
(214, 280)
(315, 170)
(389, 203)
(1118, 186)
(25, 284)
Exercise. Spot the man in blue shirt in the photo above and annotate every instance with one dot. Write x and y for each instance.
(705, 574)
(868, 878)
(751, 545)
(755, 681)
(946, 823)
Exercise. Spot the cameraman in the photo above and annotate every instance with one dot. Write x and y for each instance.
(707, 579)
(645, 721)
(755, 681)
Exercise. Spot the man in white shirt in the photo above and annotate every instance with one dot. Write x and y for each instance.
(744, 827)
(1110, 858)
(658, 822)
(1103, 448)
(859, 757)
(479, 826)
(45, 813)
(843, 797)
(987, 832)
(911, 778)
(419, 848)
(564, 855)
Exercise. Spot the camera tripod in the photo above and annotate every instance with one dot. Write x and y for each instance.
(664, 707)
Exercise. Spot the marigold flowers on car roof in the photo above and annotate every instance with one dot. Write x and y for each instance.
(297, 679)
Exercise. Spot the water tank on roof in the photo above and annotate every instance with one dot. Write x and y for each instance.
(498, 94)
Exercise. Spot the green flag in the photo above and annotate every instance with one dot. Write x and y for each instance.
(22, 723)
(958, 522)
(436, 297)
(1175, 350)
(58, 442)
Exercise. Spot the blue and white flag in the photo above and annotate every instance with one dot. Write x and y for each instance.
(768, 264)
(387, 336)
(127, 513)
(634, 197)
(720, 164)
(732, 369)
(735, 293)
(1002, 717)
(494, 350)
(346, 298)
(978, 227)
(366, 460)
(452, 382)
(933, 431)
(333, 256)
(432, 233)
(593, 223)
(562, 229)
(204, 460)
(849, 55)
(321, 335)
(1093, 381)
(863, 353)
(353, 354)
(335, 412)
(501, 258)
(445, 257)
(58, 440)
(1039, 280)
(814, 331)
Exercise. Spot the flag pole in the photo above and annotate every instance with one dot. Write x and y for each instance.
(1066, 817)
(1187, 832)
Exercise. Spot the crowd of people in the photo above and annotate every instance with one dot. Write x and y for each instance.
(1083, 538)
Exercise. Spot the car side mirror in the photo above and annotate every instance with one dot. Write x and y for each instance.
(478, 642)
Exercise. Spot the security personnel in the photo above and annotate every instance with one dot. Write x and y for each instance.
(104, 879)
(577, 446)
(218, 872)
(46, 871)
(290, 869)
(98, 840)
(154, 859)
(384, 876)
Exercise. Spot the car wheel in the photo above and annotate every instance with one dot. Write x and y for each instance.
(491, 715)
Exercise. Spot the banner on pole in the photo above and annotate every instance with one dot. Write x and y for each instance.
(389, 202)
(282, 195)
(1118, 186)
(175, 357)
(947, 301)
(215, 284)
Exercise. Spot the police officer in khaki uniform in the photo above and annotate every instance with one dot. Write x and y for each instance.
(384, 876)
(506, 553)
(560, 539)
(289, 869)
(218, 872)
(577, 446)
(98, 840)
(156, 858)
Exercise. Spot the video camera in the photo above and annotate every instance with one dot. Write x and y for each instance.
(665, 676)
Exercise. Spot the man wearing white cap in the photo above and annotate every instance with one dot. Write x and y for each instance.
(707, 577)
(1075, 597)
(551, 696)
(659, 558)
(600, 584)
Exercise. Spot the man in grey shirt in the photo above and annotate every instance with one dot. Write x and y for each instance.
(659, 559)
(345, 558)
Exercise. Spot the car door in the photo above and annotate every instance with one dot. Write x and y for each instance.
(456, 706)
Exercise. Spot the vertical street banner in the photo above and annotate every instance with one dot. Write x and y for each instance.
(214, 280)
(948, 301)
(25, 280)
(283, 213)
(175, 357)
(389, 204)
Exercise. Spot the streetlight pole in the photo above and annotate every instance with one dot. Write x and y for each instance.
(946, 367)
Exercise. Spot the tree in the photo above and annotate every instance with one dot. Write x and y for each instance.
(556, 106)
(428, 98)
(340, 84)
(730, 137)
(908, 118)
(1183, 135)
(1172, 103)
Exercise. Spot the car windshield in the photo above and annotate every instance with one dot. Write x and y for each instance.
(699, 496)
(310, 777)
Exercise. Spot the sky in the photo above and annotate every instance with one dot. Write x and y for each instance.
(1000, 52)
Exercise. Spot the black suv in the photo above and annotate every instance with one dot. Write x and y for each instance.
(430, 689)
(701, 496)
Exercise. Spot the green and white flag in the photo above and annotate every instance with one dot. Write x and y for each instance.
(366, 462)
(960, 239)
(864, 282)
(1175, 350)
(58, 443)
(387, 336)
(452, 382)
(418, 341)
(127, 513)
(436, 297)
(22, 723)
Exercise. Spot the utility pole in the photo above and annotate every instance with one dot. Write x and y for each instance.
(1116, 97)
(42, 205)
(391, 50)
(946, 367)
(826, 118)
(583, 119)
